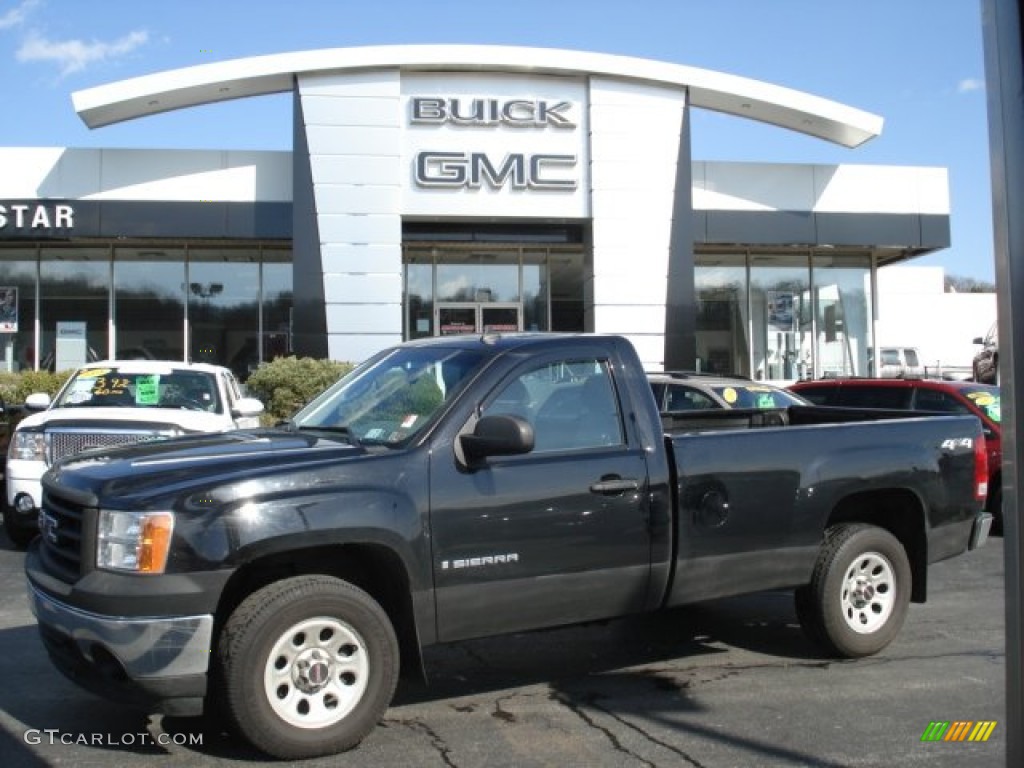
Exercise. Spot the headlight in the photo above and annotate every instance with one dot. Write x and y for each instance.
(27, 446)
(134, 541)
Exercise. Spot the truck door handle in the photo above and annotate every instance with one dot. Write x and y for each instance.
(613, 485)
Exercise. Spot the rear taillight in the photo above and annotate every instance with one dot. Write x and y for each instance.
(980, 469)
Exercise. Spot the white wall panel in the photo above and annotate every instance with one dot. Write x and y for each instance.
(495, 141)
(365, 318)
(630, 318)
(635, 132)
(363, 288)
(126, 174)
(881, 189)
(373, 83)
(353, 111)
(753, 187)
(650, 348)
(368, 229)
(354, 348)
(616, 234)
(353, 135)
(629, 288)
(648, 178)
(356, 169)
(348, 198)
(349, 257)
(618, 203)
(353, 140)
(23, 171)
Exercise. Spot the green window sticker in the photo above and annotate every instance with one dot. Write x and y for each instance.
(765, 400)
(147, 390)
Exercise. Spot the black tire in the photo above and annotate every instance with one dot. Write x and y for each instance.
(859, 592)
(996, 508)
(309, 665)
(20, 535)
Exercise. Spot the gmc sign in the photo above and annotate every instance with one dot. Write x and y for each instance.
(472, 170)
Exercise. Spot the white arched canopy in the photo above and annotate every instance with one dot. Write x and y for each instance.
(260, 75)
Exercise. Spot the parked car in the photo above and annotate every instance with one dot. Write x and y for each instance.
(933, 395)
(899, 362)
(688, 391)
(111, 403)
(986, 362)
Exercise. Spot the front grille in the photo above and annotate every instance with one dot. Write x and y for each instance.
(62, 523)
(65, 442)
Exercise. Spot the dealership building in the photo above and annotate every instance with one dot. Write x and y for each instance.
(437, 190)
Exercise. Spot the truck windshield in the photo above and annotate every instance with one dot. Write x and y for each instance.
(389, 399)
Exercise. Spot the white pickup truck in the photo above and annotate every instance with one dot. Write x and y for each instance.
(111, 403)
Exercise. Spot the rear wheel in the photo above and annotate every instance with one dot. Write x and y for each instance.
(859, 592)
(309, 664)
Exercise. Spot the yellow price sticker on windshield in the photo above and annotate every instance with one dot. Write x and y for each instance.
(93, 373)
(729, 394)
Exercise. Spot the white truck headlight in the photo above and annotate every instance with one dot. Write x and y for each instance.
(27, 445)
(134, 541)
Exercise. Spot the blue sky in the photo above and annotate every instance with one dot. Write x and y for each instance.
(917, 63)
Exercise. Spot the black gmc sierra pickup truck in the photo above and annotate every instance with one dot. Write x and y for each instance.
(469, 486)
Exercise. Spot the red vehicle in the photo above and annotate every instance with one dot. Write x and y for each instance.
(932, 395)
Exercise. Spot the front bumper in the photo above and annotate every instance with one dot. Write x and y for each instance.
(20, 478)
(158, 664)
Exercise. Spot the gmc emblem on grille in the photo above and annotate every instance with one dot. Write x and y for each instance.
(48, 526)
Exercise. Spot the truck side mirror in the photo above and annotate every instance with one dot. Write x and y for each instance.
(37, 401)
(497, 435)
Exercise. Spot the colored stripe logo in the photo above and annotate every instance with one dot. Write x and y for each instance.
(958, 730)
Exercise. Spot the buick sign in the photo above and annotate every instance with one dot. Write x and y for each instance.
(536, 113)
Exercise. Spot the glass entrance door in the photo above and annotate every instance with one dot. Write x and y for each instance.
(455, 318)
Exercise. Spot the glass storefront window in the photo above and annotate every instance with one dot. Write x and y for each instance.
(74, 294)
(419, 293)
(149, 302)
(780, 310)
(723, 345)
(842, 291)
(223, 307)
(18, 272)
(535, 290)
(277, 303)
(480, 276)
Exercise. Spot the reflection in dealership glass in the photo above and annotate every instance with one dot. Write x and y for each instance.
(388, 400)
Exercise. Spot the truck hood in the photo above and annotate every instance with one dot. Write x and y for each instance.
(169, 467)
(188, 421)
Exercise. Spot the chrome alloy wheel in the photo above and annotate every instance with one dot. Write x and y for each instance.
(868, 592)
(316, 673)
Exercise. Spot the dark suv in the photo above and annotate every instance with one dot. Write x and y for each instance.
(932, 395)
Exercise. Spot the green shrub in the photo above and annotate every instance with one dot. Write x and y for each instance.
(15, 387)
(288, 383)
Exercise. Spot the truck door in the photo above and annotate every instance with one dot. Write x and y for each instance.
(555, 536)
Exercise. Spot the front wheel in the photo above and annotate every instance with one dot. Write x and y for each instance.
(859, 592)
(309, 665)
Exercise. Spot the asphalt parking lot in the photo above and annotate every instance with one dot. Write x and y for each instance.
(728, 683)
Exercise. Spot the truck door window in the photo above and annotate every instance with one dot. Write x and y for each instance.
(571, 405)
(930, 400)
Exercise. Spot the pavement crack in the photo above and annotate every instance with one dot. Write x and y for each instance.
(689, 759)
(617, 745)
(436, 741)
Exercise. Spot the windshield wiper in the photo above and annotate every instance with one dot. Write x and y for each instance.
(344, 431)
